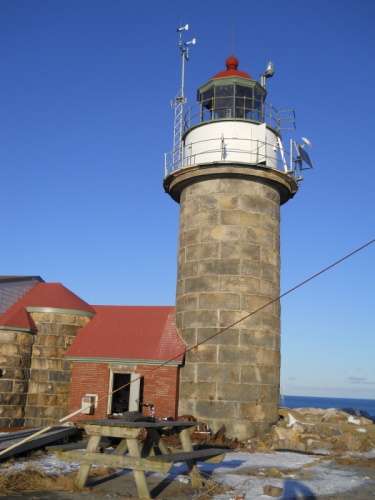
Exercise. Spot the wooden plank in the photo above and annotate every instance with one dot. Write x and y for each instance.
(130, 416)
(120, 432)
(40, 441)
(196, 478)
(75, 445)
(84, 469)
(163, 447)
(139, 475)
(184, 456)
(115, 461)
(216, 459)
(121, 448)
(167, 424)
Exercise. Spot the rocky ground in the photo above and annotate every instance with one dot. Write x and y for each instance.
(310, 453)
(321, 431)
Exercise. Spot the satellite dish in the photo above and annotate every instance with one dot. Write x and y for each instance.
(304, 156)
(306, 141)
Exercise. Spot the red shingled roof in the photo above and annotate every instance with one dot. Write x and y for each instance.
(129, 332)
(42, 295)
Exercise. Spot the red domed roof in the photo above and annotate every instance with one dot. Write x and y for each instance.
(232, 64)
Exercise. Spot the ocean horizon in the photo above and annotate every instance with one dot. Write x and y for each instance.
(367, 406)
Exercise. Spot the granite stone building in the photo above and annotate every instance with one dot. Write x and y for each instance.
(57, 351)
(229, 173)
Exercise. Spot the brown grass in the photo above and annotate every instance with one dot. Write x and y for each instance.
(33, 479)
(357, 461)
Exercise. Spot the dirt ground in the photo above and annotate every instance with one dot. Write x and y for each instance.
(122, 487)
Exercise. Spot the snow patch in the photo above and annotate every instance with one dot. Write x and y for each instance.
(354, 420)
(242, 460)
(362, 454)
(322, 479)
(48, 464)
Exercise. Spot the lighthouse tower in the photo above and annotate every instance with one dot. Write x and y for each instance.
(230, 174)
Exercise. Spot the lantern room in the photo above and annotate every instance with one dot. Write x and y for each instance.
(231, 124)
(232, 94)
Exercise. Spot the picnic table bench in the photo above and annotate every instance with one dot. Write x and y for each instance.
(152, 456)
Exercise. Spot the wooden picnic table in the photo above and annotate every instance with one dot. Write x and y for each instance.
(152, 456)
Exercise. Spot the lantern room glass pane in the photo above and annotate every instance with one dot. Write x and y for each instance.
(224, 90)
(223, 107)
(224, 102)
(242, 91)
(207, 98)
(258, 105)
(241, 106)
(258, 95)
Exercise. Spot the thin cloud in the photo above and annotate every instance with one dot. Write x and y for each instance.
(360, 380)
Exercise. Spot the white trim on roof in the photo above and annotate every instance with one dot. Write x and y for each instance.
(15, 329)
(123, 361)
(60, 310)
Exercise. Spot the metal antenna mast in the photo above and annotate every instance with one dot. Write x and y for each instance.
(180, 100)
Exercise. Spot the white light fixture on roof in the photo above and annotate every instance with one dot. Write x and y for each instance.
(185, 27)
(193, 41)
(268, 73)
(306, 141)
(270, 70)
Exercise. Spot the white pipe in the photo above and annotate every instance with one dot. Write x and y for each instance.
(165, 165)
(291, 155)
(282, 154)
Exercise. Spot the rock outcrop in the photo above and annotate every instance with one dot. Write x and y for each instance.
(321, 431)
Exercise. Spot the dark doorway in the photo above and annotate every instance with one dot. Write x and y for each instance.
(120, 399)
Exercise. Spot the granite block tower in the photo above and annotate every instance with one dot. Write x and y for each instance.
(230, 174)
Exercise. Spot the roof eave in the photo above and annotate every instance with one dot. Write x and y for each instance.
(123, 361)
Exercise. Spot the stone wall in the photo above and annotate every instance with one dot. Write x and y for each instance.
(15, 356)
(228, 266)
(50, 374)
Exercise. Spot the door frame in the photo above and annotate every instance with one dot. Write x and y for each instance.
(133, 376)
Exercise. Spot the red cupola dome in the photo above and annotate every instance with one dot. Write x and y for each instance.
(231, 69)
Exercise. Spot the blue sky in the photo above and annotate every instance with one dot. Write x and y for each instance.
(85, 120)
